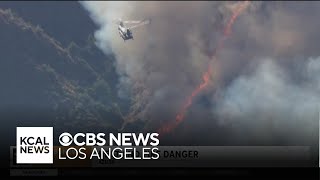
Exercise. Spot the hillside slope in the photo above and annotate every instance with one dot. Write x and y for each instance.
(48, 82)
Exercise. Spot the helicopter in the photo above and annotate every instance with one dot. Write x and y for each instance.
(125, 27)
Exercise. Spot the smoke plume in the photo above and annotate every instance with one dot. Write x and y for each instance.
(268, 103)
(265, 73)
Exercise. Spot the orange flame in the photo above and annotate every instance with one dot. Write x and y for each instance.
(242, 6)
(206, 75)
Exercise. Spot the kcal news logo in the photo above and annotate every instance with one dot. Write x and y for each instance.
(34, 145)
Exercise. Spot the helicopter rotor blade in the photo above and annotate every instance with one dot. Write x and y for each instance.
(144, 22)
(131, 22)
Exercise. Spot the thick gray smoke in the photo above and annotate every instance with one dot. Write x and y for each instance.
(268, 103)
(164, 62)
(263, 77)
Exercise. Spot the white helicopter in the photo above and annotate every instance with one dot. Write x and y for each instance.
(125, 32)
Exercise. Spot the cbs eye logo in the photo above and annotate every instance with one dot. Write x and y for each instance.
(65, 139)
